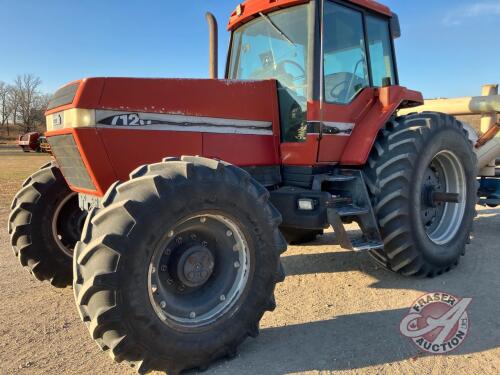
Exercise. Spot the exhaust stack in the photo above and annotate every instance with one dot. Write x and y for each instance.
(213, 67)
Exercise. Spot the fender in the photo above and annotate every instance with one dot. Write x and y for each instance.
(389, 100)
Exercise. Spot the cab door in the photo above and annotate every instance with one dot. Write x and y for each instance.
(351, 75)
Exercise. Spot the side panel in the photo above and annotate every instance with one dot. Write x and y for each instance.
(242, 150)
(342, 119)
(195, 100)
(300, 153)
(363, 137)
(128, 149)
(357, 124)
(245, 100)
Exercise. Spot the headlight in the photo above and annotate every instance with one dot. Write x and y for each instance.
(71, 118)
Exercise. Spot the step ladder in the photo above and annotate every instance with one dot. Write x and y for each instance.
(350, 202)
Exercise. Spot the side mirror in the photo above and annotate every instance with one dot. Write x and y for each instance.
(395, 26)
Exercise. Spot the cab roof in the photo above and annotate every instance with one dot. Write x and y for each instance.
(249, 9)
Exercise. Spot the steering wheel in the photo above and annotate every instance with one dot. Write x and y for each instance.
(353, 76)
(333, 93)
(294, 63)
(343, 95)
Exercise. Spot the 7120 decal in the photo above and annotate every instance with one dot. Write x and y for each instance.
(129, 119)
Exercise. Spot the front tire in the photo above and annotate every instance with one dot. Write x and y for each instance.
(179, 265)
(45, 224)
(415, 160)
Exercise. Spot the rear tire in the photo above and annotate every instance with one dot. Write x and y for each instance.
(412, 156)
(129, 282)
(43, 226)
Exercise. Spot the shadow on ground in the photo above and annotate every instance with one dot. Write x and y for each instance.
(344, 343)
(357, 341)
(344, 261)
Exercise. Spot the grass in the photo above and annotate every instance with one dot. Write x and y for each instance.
(15, 166)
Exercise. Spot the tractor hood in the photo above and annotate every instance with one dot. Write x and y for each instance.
(101, 129)
(148, 103)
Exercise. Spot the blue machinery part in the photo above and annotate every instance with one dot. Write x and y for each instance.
(489, 191)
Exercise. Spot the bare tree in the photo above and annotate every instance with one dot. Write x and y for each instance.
(5, 105)
(14, 105)
(27, 99)
(41, 104)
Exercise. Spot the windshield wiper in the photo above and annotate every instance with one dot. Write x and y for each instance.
(278, 30)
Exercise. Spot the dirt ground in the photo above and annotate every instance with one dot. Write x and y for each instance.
(337, 312)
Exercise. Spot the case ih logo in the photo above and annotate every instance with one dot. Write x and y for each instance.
(437, 322)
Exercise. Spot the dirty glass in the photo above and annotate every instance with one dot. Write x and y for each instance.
(345, 63)
(275, 46)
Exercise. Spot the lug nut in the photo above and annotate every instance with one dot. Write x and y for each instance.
(178, 240)
(236, 264)
(170, 281)
(204, 244)
(203, 219)
(153, 269)
(229, 233)
(193, 236)
(236, 247)
(223, 297)
(192, 315)
(163, 267)
(163, 304)
(171, 233)
(154, 288)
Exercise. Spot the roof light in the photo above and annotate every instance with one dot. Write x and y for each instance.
(239, 10)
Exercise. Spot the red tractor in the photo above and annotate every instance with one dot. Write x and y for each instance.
(180, 251)
(29, 142)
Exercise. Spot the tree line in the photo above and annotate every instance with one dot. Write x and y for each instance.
(22, 105)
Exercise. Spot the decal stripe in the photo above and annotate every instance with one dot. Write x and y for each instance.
(339, 125)
(332, 128)
(176, 122)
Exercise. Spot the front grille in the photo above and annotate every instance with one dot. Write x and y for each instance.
(63, 96)
(66, 153)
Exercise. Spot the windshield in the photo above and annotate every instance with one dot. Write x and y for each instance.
(275, 46)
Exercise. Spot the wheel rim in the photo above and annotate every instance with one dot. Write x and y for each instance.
(444, 175)
(199, 271)
(67, 223)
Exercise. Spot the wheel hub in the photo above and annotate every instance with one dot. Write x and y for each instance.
(195, 266)
(443, 197)
(198, 270)
(67, 223)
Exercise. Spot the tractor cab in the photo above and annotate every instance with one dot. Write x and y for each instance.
(331, 59)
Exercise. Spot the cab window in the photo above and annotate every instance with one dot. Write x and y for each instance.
(276, 46)
(345, 62)
(381, 58)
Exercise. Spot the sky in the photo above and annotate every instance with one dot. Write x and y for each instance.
(448, 48)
